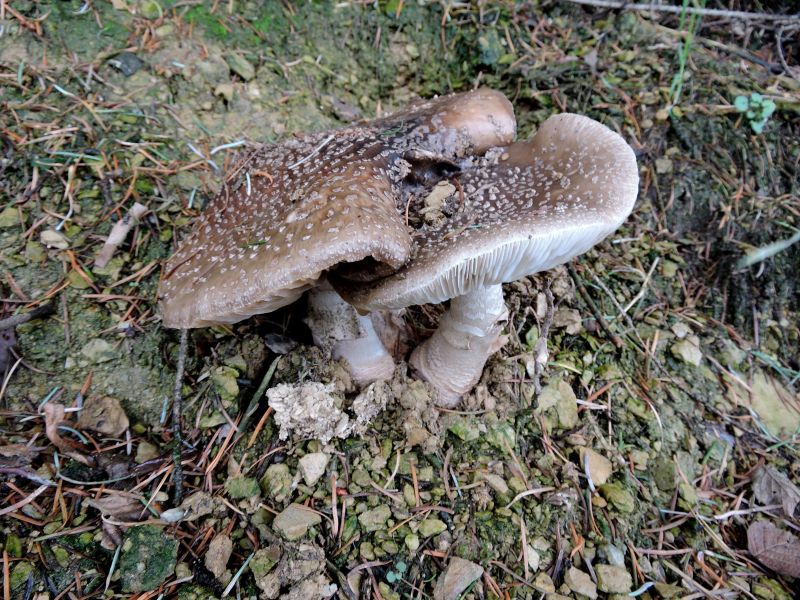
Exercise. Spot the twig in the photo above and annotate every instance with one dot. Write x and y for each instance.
(540, 354)
(6, 576)
(643, 289)
(176, 417)
(703, 12)
(237, 575)
(118, 234)
(313, 153)
(532, 492)
(615, 339)
(37, 313)
(779, 44)
(27, 500)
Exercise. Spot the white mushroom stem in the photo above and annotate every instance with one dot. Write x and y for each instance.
(335, 325)
(452, 359)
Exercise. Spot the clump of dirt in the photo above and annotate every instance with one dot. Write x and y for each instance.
(299, 573)
(310, 410)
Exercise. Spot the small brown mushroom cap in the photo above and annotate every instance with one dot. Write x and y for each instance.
(453, 126)
(531, 206)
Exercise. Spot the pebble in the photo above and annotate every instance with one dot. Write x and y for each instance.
(613, 579)
(459, 575)
(431, 527)
(54, 239)
(293, 522)
(543, 583)
(618, 497)
(98, 350)
(375, 519)
(580, 583)
(312, 467)
(241, 66)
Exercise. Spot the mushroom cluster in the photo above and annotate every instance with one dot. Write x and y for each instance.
(329, 212)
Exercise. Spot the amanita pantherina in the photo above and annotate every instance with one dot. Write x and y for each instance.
(527, 207)
(292, 211)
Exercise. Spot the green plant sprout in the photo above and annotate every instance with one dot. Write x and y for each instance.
(396, 575)
(756, 108)
(684, 50)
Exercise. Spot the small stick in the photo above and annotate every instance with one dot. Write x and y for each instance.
(643, 289)
(540, 353)
(615, 339)
(118, 234)
(705, 12)
(176, 416)
(37, 313)
(313, 153)
(6, 576)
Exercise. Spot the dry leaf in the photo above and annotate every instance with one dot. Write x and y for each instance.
(103, 414)
(123, 507)
(8, 341)
(775, 548)
(111, 537)
(53, 417)
(195, 506)
(773, 487)
(776, 406)
(17, 455)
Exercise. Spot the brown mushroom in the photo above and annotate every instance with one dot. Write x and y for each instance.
(528, 207)
(291, 211)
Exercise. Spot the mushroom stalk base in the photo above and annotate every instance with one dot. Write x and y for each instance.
(336, 326)
(452, 359)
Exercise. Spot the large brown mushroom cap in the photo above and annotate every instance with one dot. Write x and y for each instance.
(531, 206)
(296, 209)
(310, 203)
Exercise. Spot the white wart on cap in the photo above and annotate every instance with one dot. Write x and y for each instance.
(528, 207)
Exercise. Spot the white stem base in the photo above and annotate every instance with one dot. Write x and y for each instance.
(452, 360)
(336, 326)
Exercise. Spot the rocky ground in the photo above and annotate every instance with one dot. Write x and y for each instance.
(659, 458)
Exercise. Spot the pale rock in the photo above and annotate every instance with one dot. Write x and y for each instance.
(293, 522)
(218, 553)
(543, 583)
(599, 467)
(580, 583)
(497, 483)
(54, 239)
(688, 350)
(613, 579)
(312, 467)
(98, 350)
(145, 451)
(459, 575)
(375, 519)
(225, 91)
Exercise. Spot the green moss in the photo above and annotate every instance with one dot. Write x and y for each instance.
(147, 558)
(211, 24)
